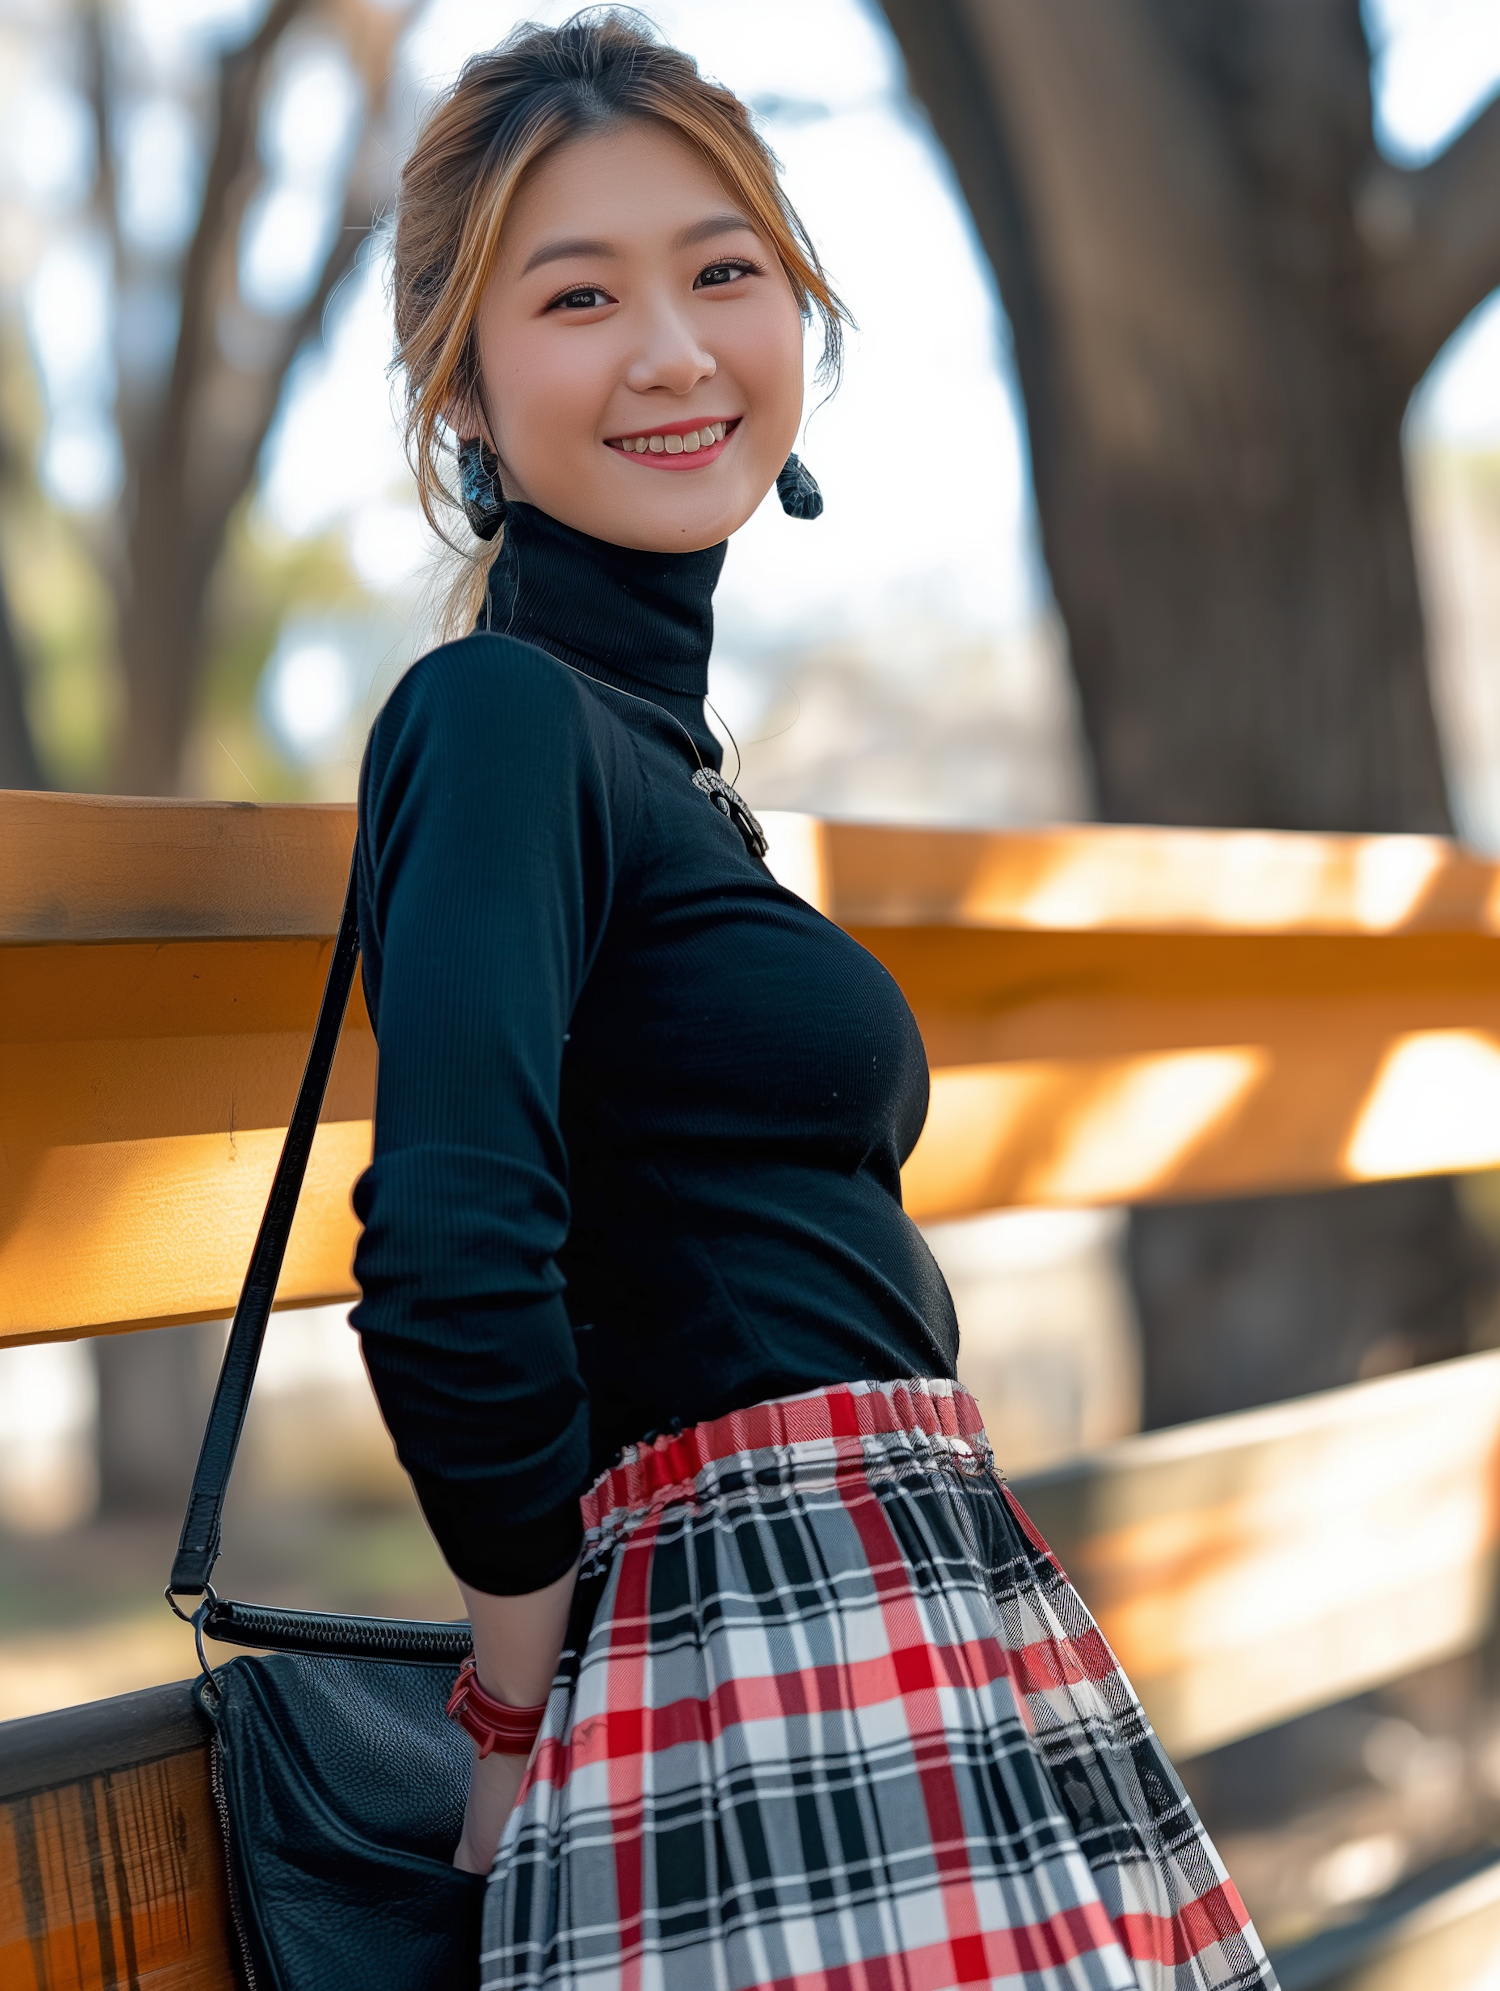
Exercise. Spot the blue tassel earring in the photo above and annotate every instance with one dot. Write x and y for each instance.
(798, 490)
(479, 488)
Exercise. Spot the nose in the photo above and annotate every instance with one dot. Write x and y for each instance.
(669, 357)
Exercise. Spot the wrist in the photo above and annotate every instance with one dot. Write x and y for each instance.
(517, 1640)
(497, 1727)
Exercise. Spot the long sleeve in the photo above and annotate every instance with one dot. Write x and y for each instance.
(486, 875)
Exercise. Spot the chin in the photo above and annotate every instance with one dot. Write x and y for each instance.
(649, 529)
(656, 520)
(683, 538)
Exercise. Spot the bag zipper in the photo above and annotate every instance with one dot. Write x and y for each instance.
(221, 1806)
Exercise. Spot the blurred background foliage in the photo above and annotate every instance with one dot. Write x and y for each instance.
(213, 568)
(193, 201)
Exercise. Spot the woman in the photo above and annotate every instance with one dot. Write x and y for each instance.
(671, 1371)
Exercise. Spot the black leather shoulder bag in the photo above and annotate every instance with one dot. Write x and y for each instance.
(339, 1782)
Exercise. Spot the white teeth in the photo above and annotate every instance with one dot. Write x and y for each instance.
(695, 439)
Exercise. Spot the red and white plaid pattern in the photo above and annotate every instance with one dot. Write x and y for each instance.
(834, 1720)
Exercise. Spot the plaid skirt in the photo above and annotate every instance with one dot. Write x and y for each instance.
(833, 1719)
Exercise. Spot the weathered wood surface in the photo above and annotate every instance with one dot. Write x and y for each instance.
(160, 967)
(1110, 1015)
(98, 868)
(1130, 1015)
(111, 1865)
(1247, 1568)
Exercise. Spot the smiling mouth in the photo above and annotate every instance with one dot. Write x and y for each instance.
(679, 445)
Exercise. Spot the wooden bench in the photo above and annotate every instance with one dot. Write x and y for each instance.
(111, 1870)
(1109, 1014)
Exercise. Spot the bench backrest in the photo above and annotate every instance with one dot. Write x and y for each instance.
(1110, 1015)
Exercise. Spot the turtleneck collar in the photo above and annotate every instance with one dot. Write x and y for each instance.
(643, 622)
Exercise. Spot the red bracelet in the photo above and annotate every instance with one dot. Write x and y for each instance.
(494, 1725)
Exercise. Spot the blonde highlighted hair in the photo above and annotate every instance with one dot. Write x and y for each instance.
(507, 110)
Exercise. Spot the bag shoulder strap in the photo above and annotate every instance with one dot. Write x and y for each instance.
(198, 1545)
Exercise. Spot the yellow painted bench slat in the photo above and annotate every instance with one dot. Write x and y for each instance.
(1110, 1015)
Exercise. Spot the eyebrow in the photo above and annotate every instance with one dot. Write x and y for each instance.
(588, 245)
(716, 224)
(572, 245)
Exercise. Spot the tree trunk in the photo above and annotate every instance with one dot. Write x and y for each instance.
(19, 767)
(1221, 301)
(191, 450)
(154, 1393)
(1256, 1300)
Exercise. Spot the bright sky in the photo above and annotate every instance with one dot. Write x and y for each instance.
(928, 363)
(1436, 63)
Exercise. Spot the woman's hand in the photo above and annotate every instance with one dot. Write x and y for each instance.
(517, 1643)
(494, 1785)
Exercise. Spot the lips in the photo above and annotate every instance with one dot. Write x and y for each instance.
(678, 445)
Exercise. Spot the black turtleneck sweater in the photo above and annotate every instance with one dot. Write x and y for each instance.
(641, 1112)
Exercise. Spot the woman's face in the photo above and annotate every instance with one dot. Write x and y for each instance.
(639, 346)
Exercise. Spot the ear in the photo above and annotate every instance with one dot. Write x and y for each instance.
(465, 416)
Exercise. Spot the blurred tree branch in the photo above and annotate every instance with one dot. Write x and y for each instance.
(191, 446)
(1434, 241)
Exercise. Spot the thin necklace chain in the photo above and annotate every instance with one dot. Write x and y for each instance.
(739, 763)
(604, 685)
(724, 796)
(651, 703)
(710, 778)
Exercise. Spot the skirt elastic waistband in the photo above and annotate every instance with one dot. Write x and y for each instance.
(831, 1425)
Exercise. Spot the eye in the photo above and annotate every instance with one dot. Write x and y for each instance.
(719, 275)
(586, 297)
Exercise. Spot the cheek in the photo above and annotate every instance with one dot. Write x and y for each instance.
(770, 367)
(545, 391)
(771, 353)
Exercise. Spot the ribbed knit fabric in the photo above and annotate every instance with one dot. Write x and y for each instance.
(641, 1112)
(643, 622)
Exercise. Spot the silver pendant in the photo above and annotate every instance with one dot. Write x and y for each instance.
(729, 802)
